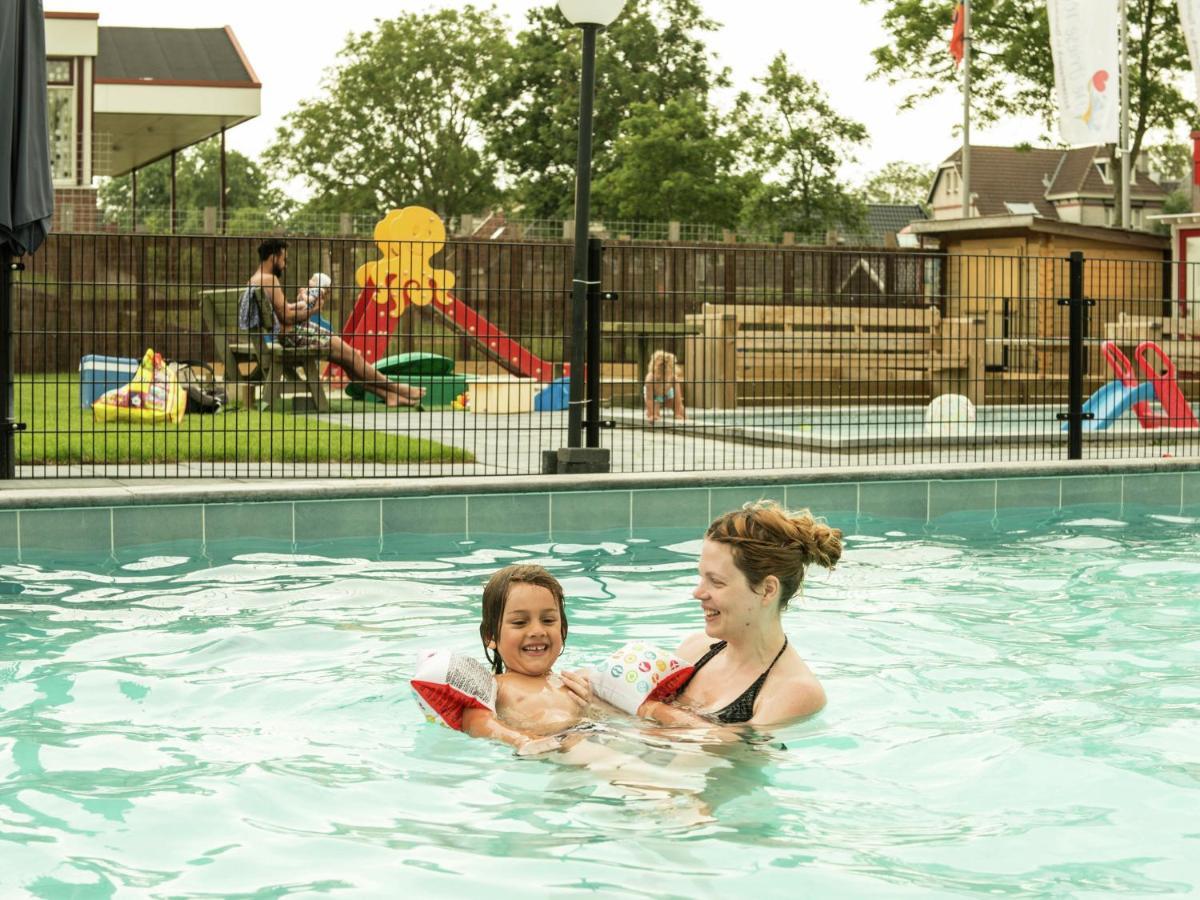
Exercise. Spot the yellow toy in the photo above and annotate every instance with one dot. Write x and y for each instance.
(462, 402)
(154, 395)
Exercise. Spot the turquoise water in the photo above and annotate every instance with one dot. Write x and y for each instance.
(1013, 711)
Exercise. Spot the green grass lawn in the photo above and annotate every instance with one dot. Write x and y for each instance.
(59, 432)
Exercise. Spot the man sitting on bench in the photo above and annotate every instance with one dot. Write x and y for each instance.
(293, 328)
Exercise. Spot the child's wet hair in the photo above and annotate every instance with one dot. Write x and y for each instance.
(767, 539)
(495, 596)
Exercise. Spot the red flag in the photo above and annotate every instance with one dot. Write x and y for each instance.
(956, 36)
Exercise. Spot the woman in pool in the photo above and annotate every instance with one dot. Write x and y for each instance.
(752, 563)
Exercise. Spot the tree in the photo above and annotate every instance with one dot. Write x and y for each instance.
(1173, 162)
(652, 53)
(394, 126)
(197, 185)
(899, 182)
(797, 141)
(671, 163)
(1011, 70)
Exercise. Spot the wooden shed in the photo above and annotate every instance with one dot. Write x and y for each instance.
(1012, 270)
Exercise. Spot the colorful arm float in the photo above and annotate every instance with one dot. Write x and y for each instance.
(636, 673)
(447, 684)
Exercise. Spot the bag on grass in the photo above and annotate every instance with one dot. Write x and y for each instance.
(199, 383)
(154, 395)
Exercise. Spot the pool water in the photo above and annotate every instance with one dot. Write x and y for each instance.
(851, 426)
(1012, 711)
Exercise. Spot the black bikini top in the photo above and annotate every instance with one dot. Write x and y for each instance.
(741, 709)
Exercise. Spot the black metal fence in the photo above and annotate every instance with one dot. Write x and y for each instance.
(704, 357)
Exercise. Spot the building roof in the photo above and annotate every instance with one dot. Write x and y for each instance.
(172, 55)
(1078, 175)
(1001, 176)
(884, 220)
(889, 218)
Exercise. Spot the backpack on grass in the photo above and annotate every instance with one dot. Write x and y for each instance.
(199, 383)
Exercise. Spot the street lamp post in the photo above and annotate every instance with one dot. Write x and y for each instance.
(590, 16)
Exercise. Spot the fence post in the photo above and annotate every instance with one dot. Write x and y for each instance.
(1075, 304)
(8, 265)
(592, 362)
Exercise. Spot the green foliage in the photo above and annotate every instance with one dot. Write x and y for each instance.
(1012, 73)
(796, 142)
(60, 432)
(394, 126)
(653, 53)
(671, 163)
(1172, 161)
(899, 182)
(197, 185)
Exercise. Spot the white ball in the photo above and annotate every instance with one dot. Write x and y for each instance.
(950, 414)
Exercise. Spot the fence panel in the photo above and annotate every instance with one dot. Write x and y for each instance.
(712, 357)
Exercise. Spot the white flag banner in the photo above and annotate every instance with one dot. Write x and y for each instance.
(1189, 20)
(1084, 44)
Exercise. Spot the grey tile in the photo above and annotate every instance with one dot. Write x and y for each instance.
(523, 514)
(1028, 493)
(225, 522)
(139, 526)
(828, 500)
(1086, 490)
(8, 536)
(1162, 490)
(1191, 493)
(583, 511)
(425, 515)
(954, 497)
(671, 508)
(895, 499)
(724, 499)
(85, 531)
(325, 520)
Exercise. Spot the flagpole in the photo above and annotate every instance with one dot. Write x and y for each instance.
(1126, 159)
(966, 151)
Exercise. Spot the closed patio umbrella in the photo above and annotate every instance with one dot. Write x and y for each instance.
(26, 187)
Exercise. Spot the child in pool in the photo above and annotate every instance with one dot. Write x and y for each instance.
(524, 628)
(662, 389)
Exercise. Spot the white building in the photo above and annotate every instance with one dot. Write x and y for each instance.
(120, 98)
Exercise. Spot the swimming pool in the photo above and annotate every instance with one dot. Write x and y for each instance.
(864, 426)
(1012, 711)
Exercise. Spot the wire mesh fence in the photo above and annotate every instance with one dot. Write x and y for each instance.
(418, 359)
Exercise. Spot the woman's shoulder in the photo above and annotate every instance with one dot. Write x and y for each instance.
(792, 691)
(694, 646)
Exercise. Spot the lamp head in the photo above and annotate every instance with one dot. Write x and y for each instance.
(591, 12)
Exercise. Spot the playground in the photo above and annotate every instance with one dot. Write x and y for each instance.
(789, 357)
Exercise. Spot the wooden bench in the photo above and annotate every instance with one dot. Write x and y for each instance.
(768, 352)
(254, 359)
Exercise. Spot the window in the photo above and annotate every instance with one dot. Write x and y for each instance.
(1102, 168)
(60, 115)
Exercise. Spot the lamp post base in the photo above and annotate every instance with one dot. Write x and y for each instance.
(576, 461)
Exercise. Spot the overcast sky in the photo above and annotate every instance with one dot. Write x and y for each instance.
(829, 41)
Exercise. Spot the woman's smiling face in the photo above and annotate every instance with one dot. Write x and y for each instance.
(728, 602)
(530, 638)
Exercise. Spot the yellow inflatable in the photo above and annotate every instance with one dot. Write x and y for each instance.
(154, 395)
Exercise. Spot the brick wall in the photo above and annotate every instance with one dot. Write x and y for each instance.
(76, 209)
